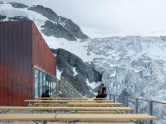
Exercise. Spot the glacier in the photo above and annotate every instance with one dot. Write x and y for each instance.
(133, 64)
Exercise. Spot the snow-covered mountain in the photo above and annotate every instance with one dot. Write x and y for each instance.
(59, 32)
(132, 64)
(48, 22)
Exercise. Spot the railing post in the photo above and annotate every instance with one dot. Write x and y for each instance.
(114, 98)
(151, 110)
(119, 99)
(126, 101)
(136, 106)
(109, 97)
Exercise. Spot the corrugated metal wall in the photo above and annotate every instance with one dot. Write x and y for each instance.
(21, 47)
(42, 55)
(15, 62)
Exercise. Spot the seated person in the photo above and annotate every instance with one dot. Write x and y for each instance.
(46, 94)
(99, 95)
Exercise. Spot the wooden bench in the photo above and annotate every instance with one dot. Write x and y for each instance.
(96, 112)
(63, 101)
(75, 98)
(67, 108)
(47, 104)
(84, 123)
(76, 109)
(76, 117)
(87, 123)
(94, 104)
(71, 123)
(104, 117)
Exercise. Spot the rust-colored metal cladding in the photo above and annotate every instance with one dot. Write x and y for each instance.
(42, 55)
(22, 48)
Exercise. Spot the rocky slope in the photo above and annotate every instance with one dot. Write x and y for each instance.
(77, 73)
(48, 20)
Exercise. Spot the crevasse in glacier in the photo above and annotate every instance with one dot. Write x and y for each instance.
(133, 64)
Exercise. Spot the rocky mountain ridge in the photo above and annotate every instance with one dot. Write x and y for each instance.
(77, 73)
(52, 25)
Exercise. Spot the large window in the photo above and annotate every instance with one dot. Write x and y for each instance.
(36, 83)
(44, 82)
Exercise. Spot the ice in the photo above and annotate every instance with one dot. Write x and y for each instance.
(75, 72)
(93, 85)
(59, 74)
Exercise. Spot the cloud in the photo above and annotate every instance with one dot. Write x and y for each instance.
(110, 17)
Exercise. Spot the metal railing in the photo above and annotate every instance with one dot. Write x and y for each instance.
(125, 100)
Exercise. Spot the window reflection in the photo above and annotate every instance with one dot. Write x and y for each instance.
(36, 83)
(44, 82)
(40, 84)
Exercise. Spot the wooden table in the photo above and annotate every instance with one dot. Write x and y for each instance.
(76, 117)
(64, 101)
(93, 104)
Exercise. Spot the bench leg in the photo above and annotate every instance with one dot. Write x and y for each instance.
(64, 106)
(29, 104)
(136, 122)
(67, 122)
(44, 122)
(5, 111)
(75, 122)
(35, 122)
(75, 111)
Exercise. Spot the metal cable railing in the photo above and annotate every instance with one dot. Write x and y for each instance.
(135, 103)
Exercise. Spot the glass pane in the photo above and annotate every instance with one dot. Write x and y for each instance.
(41, 83)
(44, 82)
(47, 80)
(51, 86)
(54, 86)
(36, 83)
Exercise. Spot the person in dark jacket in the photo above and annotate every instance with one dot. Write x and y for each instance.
(46, 94)
(103, 91)
(99, 95)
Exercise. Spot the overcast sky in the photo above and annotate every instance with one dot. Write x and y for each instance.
(110, 17)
